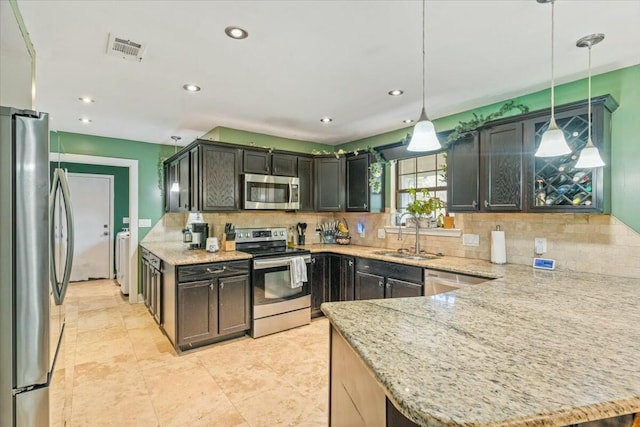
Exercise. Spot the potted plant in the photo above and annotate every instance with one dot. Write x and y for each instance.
(422, 208)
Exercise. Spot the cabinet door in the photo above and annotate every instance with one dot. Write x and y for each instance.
(194, 170)
(347, 282)
(284, 165)
(463, 175)
(256, 162)
(329, 184)
(399, 288)
(357, 197)
(174, 196)
(157, 295)
(502, 150)
(233, 304)
(145, 282)
(319, 283)
(220, 179)
(335, 276)
(197, 312)
(368, 286)
(305, 174)
(183, 181)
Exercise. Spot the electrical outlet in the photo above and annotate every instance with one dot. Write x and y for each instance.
(381, 233)
(125, 220)
(471, 239)
(540, 245)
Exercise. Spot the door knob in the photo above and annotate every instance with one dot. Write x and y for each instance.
(106, 233)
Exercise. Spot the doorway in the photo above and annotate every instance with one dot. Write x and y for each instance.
(92, 201)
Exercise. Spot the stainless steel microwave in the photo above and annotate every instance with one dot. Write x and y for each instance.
(271, 192)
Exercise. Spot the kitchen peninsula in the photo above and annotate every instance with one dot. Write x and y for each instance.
(532, 348)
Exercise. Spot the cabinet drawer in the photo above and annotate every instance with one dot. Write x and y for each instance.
(390, 269)
(195, 272)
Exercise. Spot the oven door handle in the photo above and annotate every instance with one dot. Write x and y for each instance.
(261, 264)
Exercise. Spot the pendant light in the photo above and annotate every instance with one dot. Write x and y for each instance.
(589, 156)
(175, 187)
(553, 142)
(424, 136)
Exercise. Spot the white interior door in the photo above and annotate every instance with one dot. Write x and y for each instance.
(92, 205)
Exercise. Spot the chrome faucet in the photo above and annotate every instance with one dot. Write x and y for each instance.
(417, 223)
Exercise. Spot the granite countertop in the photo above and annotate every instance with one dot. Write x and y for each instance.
(533, 348)
(176, 254)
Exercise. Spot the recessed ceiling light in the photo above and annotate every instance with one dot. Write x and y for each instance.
(86, 99)
(236, 33)
(84, 120)
(407, 121)
(190, 87)
(396, 92)
(326, 119)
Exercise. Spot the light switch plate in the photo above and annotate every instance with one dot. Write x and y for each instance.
(381, 233)
(125, 220)
(471, 239)
(540, 245)
(144, 222)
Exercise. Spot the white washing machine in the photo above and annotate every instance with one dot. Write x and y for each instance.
(122, 261)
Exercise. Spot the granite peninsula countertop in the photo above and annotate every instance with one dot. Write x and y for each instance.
(176, 254)
(533, 348)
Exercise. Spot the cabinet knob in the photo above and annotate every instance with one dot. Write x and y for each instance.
(388, 285)
(380, 283)
(350, 263)
(365, 206)
(474, 204)
(211, 285)
(221, 285)
(486, 204)
(313, 260)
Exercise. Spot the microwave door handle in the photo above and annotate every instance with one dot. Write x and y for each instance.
(290, 192)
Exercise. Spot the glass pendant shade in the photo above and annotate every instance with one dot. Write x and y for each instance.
(424, 136)
(175, 187)
(589, 157)
(553, 142)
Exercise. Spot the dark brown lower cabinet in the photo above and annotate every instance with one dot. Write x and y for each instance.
(347, 280)
(211, 309)
(369, 286)
(376, 279)
(197, 312)
(233, 304)
(320, 283)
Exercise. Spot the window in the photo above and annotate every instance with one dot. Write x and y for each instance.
(421, 172)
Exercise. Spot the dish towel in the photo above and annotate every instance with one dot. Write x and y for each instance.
(298, 269)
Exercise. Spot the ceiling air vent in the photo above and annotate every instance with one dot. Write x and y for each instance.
(124, 48)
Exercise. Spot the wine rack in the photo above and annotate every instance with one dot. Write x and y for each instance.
(557, 181)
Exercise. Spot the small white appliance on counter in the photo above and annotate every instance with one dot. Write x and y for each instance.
(122, 261)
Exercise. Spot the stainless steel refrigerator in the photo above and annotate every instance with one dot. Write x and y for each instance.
(34, 272)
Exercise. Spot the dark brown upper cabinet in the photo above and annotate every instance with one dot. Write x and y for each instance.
(357, 194)
(266, 163)
(220, 178)
(506, 176)
(501, 151)
(329, 177)
(305, 174)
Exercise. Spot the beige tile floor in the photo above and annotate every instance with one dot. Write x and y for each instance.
(120, 370)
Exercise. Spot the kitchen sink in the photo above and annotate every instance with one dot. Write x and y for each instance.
(405, 255)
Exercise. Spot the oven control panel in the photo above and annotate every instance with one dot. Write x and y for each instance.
(246, 235)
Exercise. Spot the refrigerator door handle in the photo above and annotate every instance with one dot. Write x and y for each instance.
(59, 288)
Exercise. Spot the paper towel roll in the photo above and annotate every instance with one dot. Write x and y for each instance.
(498, 247)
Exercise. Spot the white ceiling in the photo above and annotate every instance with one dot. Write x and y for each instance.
(304, 60)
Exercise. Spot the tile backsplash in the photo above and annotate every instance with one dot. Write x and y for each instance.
(578, 242)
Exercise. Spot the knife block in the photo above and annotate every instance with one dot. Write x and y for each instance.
(227, 245)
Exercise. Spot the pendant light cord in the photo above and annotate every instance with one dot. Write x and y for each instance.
(552, 60)
(589, 107)
(423, 56)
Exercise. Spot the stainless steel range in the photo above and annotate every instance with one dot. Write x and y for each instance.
(280, 299)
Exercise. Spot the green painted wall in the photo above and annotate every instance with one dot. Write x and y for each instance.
(150, 203)
(236, 136)
(623, 85)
